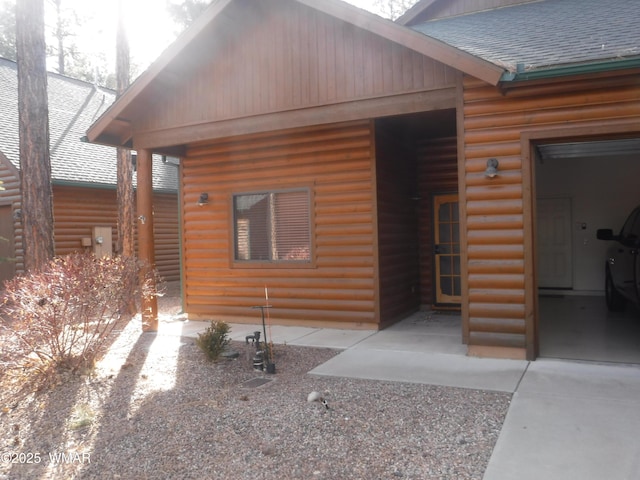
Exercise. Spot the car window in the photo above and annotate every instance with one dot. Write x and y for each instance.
(632, 225)
(635, 229)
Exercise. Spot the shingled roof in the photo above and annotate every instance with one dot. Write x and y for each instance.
(545, 34)
(73, 106)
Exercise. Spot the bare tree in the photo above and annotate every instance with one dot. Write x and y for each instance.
(8, 29)
(60, 35)
(125, 194)
(185, 12)
(394, 8)
(33, 113)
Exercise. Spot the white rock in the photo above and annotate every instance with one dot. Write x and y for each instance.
(314, 397)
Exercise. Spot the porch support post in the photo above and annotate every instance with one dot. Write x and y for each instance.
(146, 246)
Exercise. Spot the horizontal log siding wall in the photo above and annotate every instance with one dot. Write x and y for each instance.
(77, 210)
(496, 209)
(10, 177)
(397, 230)
(336, 162)
(166, 228)
(283, 55)
(437, 173)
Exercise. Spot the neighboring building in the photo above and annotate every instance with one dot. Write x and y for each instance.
(345, 158)
(83, 175)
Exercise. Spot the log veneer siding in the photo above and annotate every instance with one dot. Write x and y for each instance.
(437, 173)
(501, 300)
(77, 210)
(336, 163)
(398, 248)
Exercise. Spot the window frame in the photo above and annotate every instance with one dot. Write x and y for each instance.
(236, 263)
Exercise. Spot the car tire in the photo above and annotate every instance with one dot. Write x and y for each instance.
(615, 301)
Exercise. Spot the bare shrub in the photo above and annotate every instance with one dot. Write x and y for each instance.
(63, 315)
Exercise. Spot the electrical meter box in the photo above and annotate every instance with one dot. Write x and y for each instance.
(102, 241)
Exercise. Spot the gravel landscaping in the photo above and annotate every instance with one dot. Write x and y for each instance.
(156, 408)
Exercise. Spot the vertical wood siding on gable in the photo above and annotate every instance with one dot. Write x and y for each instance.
(335, 162)
(291, 57)
(496, 232)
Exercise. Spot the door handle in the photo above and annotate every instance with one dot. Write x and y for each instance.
(436, 249)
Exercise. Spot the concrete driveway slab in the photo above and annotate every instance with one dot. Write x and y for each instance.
(571, 420)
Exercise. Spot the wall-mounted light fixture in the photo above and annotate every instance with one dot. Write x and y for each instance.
(492, 168)
(203, 200)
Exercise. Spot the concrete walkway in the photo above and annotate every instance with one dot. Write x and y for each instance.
(566, 420)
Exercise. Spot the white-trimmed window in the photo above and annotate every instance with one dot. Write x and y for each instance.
(273, 226)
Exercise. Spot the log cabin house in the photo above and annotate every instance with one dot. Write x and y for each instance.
(362, 169)
(83, 176)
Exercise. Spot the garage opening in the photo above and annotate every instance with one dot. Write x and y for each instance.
(581, 187)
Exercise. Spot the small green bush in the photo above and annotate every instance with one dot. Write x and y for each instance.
(214, 340)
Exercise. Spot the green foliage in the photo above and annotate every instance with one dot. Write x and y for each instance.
(63, 315)
(185, 12)
(214, 340)
(8, 29)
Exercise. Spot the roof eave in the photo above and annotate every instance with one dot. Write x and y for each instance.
(570, 70)
(415, 11)
(96, 133)
(99, 132)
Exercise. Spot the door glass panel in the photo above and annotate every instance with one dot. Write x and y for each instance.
(448, 281)
(457, 286)
(445, 286)
(445, 234)
(445, 265)
(445, 212)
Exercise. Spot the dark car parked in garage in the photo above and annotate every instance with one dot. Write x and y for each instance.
(622, 267)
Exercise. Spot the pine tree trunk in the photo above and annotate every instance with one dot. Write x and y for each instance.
(33, 112)
(125, 194)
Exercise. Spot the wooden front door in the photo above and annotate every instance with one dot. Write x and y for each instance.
(447, 249)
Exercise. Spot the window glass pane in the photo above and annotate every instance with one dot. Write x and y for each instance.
(445, 265)
(635, 230)
(444, 213)
(446, 286)
(272, 226)
(457, 286)
(251, 219)
(292, 236)
(445, 232)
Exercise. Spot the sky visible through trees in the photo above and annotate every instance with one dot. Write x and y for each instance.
(88, 28)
